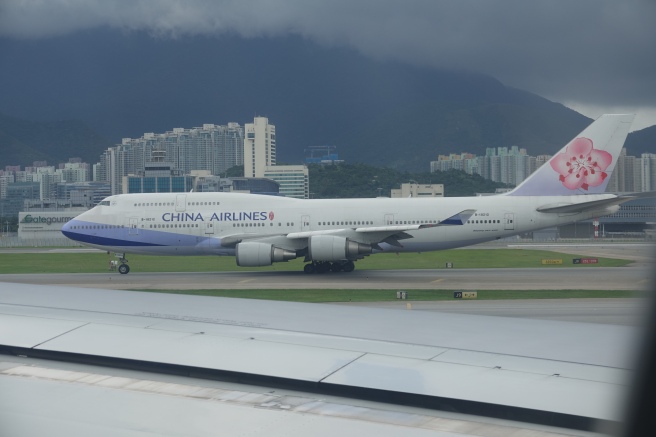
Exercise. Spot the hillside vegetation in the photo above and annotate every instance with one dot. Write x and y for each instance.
(361, 180)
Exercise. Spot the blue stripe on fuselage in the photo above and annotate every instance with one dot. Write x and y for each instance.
(102, 235)
(104, 241)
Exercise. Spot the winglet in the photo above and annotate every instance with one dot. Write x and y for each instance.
(458, 219)
(585, 164)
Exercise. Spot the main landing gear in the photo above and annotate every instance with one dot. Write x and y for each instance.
(124, 268)
(326, 266)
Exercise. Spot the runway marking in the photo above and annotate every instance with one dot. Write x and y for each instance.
(245, 281)
(437, 280)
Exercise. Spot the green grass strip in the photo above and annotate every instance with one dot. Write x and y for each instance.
(61, 262)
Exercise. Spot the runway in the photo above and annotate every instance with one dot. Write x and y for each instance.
(581, 278)
(636, 276)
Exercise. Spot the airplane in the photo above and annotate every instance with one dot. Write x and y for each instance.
(331, 234)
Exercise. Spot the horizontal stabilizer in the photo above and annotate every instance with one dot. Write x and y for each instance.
(583, 206)
(594, 204)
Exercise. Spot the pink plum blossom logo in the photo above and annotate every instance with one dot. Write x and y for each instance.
(581, 165)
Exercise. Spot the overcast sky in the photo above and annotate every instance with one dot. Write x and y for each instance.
(594, 56)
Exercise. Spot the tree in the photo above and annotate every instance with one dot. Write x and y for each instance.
(235, 172)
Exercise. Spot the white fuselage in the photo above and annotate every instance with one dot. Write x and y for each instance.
(196, 223)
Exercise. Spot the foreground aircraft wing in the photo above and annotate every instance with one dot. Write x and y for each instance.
(547, 372)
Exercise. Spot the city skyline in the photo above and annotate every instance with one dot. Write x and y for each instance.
(511, 165)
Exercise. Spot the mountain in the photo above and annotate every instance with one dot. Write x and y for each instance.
(642, 141)
(22, 142)
(123, 84)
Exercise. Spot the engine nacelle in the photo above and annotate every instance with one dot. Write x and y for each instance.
(254, 254)
(332, 248)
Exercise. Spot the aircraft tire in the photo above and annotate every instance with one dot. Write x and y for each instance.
(124, 269)
(349, 267)
(336, 267)
(309, 268)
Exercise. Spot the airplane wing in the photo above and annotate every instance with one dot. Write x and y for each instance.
(529, 371)
(370, 235)
(455, 220)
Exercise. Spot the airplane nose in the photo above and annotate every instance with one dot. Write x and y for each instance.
(67, 230)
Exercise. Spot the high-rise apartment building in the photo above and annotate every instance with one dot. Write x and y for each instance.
(74, 171)
(259, 147)
(512, 166)
(260, 160)
(647, 171)
(633, 174)
(508, 165)
(214, 148)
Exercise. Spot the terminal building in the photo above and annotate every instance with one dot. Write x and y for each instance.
(294, 180)
(158, 176)
(237, 185)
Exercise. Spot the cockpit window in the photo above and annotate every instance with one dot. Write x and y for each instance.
(104, 203)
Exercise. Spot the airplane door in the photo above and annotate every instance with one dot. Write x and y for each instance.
(509, 221)
(389, 219)
(305, 223)
(180, 202)
(133, 223)
(209, 228)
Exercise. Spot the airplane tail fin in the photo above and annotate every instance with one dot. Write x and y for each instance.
(585, 164)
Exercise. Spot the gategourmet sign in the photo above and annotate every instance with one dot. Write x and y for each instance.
(44, 224)
(45, 219)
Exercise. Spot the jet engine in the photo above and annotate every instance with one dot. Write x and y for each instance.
(254, 254)
(333, 248)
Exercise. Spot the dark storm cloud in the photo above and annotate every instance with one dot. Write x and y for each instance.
(588, 52)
